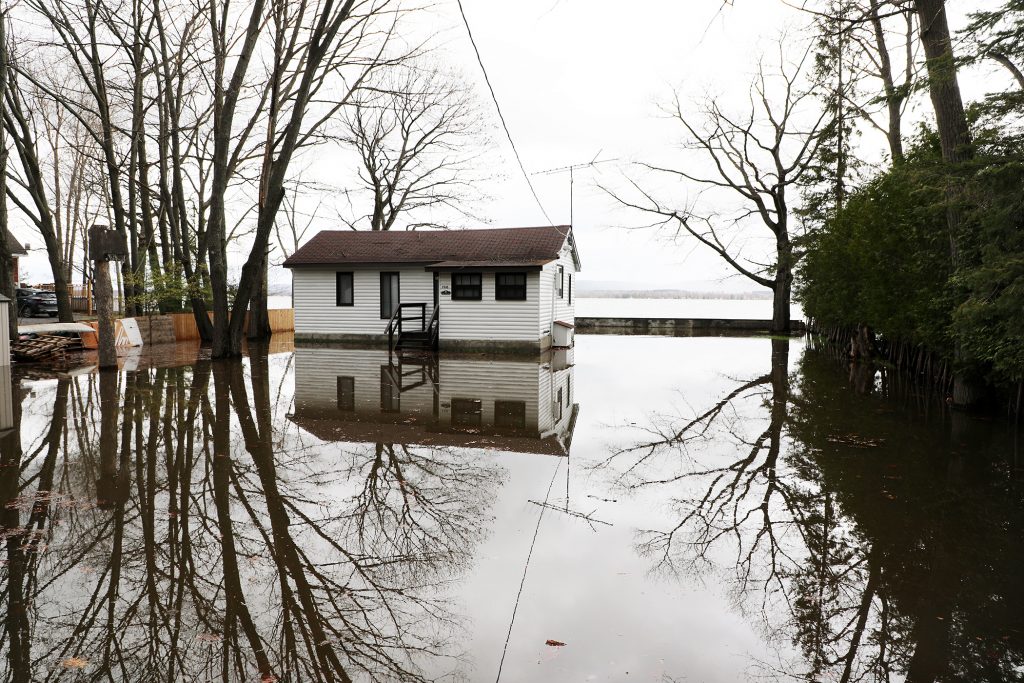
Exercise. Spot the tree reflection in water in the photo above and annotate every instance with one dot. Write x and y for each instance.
(166, 524)
(871, 543)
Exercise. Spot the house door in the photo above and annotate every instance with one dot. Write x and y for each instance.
(437, 282)
(389, 295)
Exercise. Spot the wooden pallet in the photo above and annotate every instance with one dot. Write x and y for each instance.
(45, 348)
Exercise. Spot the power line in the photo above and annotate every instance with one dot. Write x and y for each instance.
(501, 116)
(526, 567)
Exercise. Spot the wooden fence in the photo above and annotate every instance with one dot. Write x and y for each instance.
(80, 295)
(185, 328)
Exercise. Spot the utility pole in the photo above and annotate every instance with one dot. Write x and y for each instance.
(105, 245)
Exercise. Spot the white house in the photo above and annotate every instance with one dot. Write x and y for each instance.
(370, 395)
(494, 289)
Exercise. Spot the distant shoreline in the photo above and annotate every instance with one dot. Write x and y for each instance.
(672, 294)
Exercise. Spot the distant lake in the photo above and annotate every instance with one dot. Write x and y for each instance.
(279, 301)
(679, 308)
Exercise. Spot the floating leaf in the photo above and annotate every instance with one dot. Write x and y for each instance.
(554, 643)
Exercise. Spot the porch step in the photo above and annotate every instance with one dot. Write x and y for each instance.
(407, 339)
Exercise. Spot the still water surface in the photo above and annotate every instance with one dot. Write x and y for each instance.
(699, 509)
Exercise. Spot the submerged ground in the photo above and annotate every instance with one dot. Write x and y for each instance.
(700, 509)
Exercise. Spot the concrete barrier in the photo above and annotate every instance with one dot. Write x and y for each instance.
(156, 329)
(677, 327)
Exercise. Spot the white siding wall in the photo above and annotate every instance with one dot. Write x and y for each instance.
(555, 409)
(6, 310)
(490, 381)
(536, 384)
(316, 312)
(551, 306)
(489, 319)
(316, 381)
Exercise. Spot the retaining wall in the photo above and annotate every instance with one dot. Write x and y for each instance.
(676, 326)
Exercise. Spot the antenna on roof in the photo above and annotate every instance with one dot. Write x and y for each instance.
(571, 170)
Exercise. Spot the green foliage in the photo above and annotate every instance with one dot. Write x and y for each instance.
(990, 323)
(835, 63)
(169, 289)
(884, 259)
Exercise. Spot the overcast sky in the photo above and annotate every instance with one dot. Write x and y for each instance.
(579, 77)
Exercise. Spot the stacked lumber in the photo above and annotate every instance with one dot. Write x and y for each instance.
(45, 348)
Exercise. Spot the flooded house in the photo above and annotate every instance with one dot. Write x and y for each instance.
(457, 400)
(500, 289)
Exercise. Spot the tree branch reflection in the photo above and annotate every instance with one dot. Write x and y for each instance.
(166, 525)
(850, 563)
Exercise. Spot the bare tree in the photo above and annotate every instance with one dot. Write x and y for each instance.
(897, 85)
(7, 276)
(30, 193)
(321, 52)
(756, 160)
(415, 130)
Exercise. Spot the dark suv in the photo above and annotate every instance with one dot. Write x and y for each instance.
(32, 302)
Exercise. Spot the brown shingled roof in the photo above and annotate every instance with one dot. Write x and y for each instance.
(493, 245)
(14, 245)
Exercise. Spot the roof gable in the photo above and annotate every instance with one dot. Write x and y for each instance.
(513, 246)
(14, 246)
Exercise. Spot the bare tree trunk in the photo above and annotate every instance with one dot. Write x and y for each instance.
(1003, 60)
(955, 139)
(60, 281)
(954, 134)
(106, 484)
(17, 628)
(259, 317)
(225, 100)
(782, 295)
(18, 126)
(7, 274)
(105, 315)
(893, 99)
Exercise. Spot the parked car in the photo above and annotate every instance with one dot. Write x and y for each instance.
(33, 302)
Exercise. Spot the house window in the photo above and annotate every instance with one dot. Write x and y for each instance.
(510, 414)
(561, 282)
(570, 289)
(389, 295)
(467, 412)
(343, 289)
(559, 404)
(347, 394)
(510, 286)
(467, 286)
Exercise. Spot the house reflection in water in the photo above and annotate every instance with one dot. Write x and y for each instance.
(368, 395)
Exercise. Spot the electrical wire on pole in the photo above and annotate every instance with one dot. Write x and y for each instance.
(501, 116)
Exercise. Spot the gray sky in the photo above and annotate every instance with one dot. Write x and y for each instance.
(577, 77)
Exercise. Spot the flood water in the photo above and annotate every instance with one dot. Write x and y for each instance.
(641, 508)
